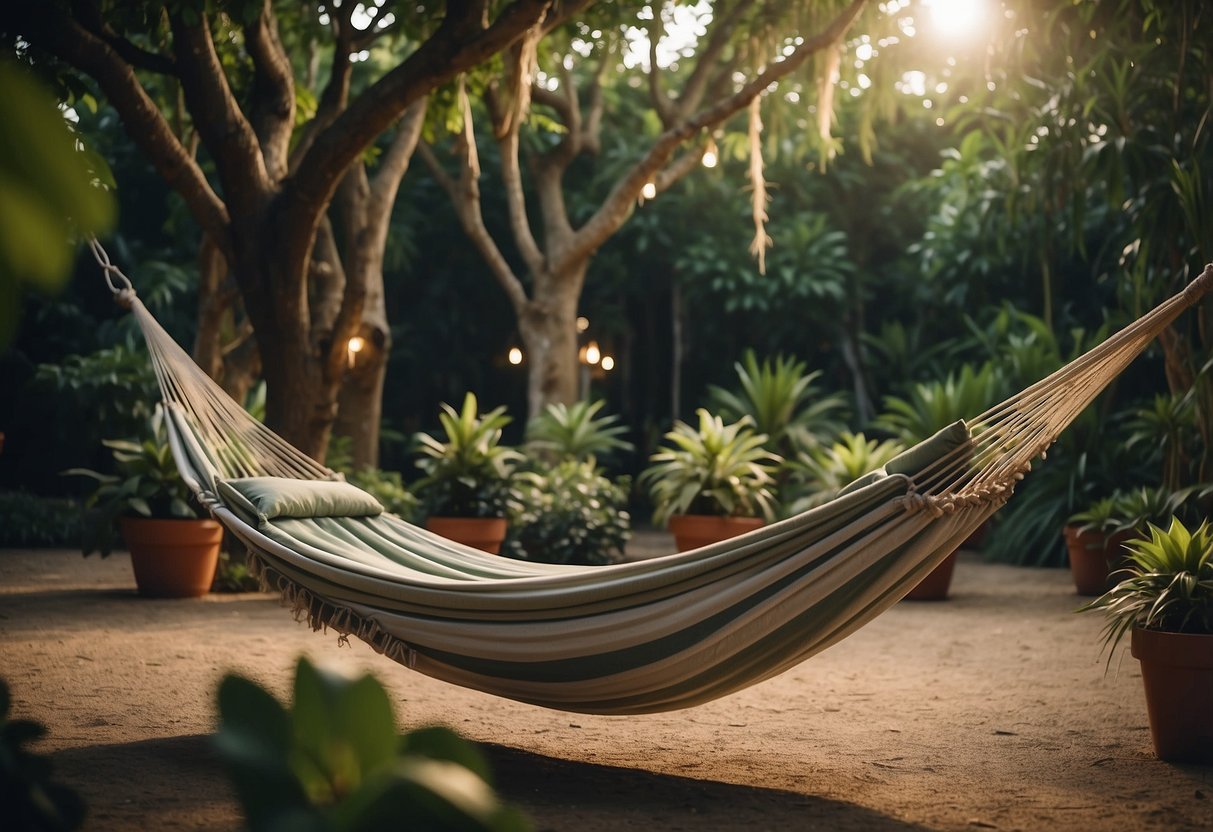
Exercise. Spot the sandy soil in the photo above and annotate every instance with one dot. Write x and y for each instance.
(988, 711)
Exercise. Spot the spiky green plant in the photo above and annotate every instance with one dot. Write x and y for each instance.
(818, 475)
(783, 402)
(714, 469)
(932, 406)
(1168, 584)
(469, 474)
(576, 432)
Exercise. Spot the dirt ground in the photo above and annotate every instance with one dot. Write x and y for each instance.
(991, 710)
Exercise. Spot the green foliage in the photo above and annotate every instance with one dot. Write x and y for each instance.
(469, 474)
(569, 513)
(31, 800)
(1168, 429)
(782, 401)
(576, 432)
(50, 193)
(1168, 584)
(335, 761)
(116, 387)
(820, 473)
(27, 520)
(145, 483)
(714, 469)
(932, 406)
(234, 575)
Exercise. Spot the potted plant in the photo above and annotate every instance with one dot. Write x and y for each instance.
(1166, 601)
(174, 547)
(466, 491)
(711, 483)
(1095, 539)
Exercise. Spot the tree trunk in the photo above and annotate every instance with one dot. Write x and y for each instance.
(548, 326)
(360, 400)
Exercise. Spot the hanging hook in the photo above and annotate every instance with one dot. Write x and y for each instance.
(124, 290)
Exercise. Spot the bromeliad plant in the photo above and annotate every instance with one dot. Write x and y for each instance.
(575, 432)
(145, 483)
(715, 469)
(932, 406)
(783, 402)
(468, 475)
(1168, 584)
(818, 475)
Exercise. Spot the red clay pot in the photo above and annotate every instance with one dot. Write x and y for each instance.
(483, 533)
(1177, 669)
(694, 530)
(935, 586)
(1094, 556)
(172, 558)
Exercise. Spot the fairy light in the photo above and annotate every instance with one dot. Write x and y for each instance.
(592, 353)
(608, 363)
(515, 356)
(711, 155)
(649, 190)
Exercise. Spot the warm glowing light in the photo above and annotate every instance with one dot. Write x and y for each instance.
(649, 191)
(710, 155)
(957, 18)
(583, 323)
(592, 353)
(515, 356)
(608, 363)
(353, 347)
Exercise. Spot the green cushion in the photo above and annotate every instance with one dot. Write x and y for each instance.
(915, 459)
(912, 460)
(261, 499)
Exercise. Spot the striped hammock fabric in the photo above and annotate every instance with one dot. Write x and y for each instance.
(661, 634)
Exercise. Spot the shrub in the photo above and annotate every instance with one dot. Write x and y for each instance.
(27, 520)
(569, 513)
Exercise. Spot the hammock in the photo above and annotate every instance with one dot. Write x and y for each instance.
(661, 634)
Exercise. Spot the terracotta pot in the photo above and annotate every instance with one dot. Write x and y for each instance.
(483, 533)
(1177, 669)
(694, 530)
(172, 558)
(1094, 556)
(978, 538)
(935, 586)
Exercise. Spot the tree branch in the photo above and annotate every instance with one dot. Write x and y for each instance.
(458, 45)
(617, 206)
(661, 100)
(273, 94)
(697, 84)
(366, 225)
(90, 15)
(226, 133)
(566, 150)
(465, 196)
(64, 37)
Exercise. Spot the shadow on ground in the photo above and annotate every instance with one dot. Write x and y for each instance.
(177, 782)
(564, 795)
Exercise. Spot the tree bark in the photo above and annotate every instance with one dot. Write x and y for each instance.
(548, 326)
